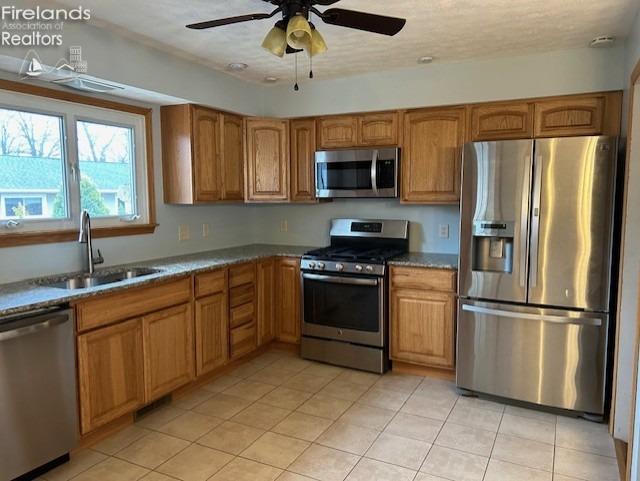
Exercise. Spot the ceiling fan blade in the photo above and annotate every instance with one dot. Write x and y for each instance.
(324, 2)
(228, 21)
(363, 21)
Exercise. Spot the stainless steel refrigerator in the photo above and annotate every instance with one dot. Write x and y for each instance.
(535, 270)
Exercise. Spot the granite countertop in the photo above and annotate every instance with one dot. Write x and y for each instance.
(23, 296)
(29, 295)
(424, 259)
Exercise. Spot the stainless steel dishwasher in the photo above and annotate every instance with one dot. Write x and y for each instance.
(38, 400)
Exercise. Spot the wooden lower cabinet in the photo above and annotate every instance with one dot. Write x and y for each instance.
(422, 323)
(168, 350)
(211, 333)
(266, 277)
(288, 300)
(110, 373)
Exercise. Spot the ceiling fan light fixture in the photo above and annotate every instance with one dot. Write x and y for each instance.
(276, 40)
(299, 33)
(318, 45)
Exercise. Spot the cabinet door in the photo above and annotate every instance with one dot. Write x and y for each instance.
(570, 116)
(206, 154)
(433, 142)
(266, 301)
(502, 121)
(110, 373)
(212, 336)
(168, 350)
(336, 132)
(232, 158)
(378, 129)
(288, 303)
(422, 327)
(303, 150)
(267, 160)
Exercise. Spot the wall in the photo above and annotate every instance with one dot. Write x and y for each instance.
(309, 224)
(630, 276)
(550, 73)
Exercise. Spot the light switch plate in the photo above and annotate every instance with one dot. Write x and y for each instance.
(444, 231)
(284, 225)
(183, 232)
(205, 230)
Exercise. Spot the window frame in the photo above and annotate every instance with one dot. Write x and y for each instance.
(54, 230)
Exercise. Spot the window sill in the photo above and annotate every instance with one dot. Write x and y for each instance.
(31, 238)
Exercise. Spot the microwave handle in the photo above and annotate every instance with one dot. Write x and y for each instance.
(374, 172)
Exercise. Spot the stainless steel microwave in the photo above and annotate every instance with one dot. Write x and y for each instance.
(357, 173)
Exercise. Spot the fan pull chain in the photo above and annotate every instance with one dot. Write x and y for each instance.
(296, 87)
(311, 64)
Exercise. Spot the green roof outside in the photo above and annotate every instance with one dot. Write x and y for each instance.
(33, 173)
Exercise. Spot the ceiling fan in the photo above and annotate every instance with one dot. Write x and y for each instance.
(294, 32)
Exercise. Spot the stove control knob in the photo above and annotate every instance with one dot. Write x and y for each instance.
(312, 265)
(339, 267)
(320, 265)
(358, 268)
(369, 268)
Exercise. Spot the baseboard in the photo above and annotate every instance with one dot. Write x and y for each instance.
(407, 368)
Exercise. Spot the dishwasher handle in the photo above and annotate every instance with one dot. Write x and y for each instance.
(43, 322)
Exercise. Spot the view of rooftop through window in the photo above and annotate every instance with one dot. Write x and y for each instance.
(33, 162)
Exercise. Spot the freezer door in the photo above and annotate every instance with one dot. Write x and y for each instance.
(494, 227)
(571, 222)
(548, 357)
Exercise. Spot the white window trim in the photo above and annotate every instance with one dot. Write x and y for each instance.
(70, 112)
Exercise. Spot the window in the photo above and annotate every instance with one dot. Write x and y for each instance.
(58, 158)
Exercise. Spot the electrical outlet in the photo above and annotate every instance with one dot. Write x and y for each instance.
(183, 232)
(284, 225)
(205, 230)
(444, 231)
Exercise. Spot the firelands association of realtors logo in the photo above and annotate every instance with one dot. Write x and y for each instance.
(37, 27)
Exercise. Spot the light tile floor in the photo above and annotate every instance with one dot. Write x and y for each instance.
(282, 418)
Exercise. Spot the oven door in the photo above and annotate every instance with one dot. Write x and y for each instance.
(357, 173)
(344, 308)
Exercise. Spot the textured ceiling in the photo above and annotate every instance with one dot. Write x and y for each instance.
(449, 30)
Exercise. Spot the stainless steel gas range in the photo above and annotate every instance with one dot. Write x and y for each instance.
(345, 314)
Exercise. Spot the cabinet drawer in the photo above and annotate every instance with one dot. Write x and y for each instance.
(423, 279)
(211, 283)
(242, 274)
(241, 295)
(241, 315)
(243, 340)
(107, 309)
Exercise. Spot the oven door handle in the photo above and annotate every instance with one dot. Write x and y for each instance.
(341, 280)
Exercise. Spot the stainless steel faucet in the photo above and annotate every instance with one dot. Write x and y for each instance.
(85, 238)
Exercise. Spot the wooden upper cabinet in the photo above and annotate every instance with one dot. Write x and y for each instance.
(206, 155)
(378, 129)
(502, 121)
(232, 157)
(168, 350)
(337, 132)
(571, 116)
(432, 155)
(267, 160)
(202, 155)
(110, 373)
(288, 300)
(303, 150)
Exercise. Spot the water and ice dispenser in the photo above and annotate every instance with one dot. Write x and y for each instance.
(492, 246)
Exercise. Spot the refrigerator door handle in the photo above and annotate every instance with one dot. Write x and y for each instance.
(535, 222)
(582, 321)
(524, 223)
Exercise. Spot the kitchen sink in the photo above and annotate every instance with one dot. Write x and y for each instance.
(84, 281)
